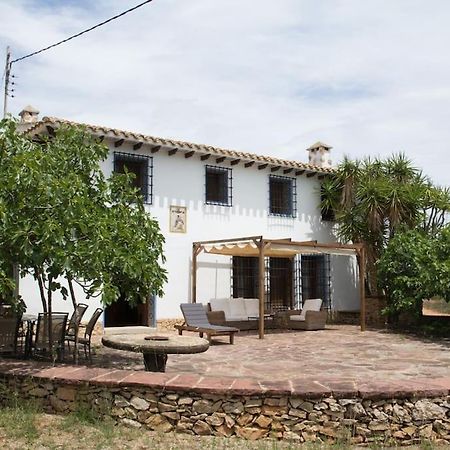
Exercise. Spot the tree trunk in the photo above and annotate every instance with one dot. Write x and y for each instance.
(74, 302)
(49, 321)
(38, 277)
(72, 293)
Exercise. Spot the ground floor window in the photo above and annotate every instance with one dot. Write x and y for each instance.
(315, 278)
(288, 282)
(244, 279)
(279, 284)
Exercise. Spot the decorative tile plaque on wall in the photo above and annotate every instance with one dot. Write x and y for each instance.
(177, 219)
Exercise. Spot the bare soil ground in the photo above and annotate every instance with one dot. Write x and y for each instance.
(436, 307)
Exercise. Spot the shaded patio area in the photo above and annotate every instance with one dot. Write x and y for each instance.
(341, 352)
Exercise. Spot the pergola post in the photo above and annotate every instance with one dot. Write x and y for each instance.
(261, 273)
(362, 290)
(195, 252)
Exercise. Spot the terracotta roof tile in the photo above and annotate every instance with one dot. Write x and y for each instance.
(200, 148)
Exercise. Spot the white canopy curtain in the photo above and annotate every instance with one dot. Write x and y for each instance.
(259, 247)
(273, 249)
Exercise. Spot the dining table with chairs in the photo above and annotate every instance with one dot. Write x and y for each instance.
(29, 335)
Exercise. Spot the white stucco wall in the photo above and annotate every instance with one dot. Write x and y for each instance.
(181, 181)
(29, 290)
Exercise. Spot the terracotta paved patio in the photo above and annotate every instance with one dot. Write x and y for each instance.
(339, 352)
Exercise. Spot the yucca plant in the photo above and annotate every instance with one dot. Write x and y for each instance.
(372, 199)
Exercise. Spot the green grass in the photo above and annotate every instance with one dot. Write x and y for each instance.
(17, 420)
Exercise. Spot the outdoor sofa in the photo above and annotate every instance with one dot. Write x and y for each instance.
(242, 313)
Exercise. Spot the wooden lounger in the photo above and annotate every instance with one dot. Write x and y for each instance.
(195, 320)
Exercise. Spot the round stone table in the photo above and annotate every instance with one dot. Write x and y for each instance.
(155, 351)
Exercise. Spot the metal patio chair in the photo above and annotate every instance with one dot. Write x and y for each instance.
(73, 325)
(85, 340)
(58, 322)
(9, 327)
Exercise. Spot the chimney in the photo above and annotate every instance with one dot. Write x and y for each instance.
(319, 154)
(28, 117)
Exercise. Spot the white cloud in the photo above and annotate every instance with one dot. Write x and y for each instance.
(268, 77)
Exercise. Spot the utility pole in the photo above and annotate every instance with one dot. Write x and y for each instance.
(15, 267)
(7, 75)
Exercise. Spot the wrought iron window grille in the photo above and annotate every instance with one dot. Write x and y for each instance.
(280, 279)
(244, 277)
(218, 186)
(315, 278)
(142, 167)
(282, 196)
(310, 278)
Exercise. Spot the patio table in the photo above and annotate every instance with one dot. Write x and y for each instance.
(155, 347)
(266, 316)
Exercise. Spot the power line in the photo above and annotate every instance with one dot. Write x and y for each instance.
(81, 32)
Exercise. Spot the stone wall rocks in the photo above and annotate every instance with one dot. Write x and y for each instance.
(359, 421)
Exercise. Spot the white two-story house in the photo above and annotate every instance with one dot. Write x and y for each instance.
(200, 192)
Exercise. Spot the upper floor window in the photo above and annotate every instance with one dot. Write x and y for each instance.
(142, 168)
(282, 196)
(218, 186)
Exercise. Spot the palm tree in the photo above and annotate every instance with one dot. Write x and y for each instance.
(375, 198)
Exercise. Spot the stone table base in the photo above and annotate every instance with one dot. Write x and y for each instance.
(154, 362)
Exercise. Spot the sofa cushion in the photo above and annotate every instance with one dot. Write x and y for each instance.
(221, 304)
(252, 307)
(297, 317)
(237, 308)
(312, 304)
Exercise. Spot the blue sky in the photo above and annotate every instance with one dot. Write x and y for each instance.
(368, 78)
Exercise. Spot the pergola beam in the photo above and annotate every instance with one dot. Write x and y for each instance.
(231, 241)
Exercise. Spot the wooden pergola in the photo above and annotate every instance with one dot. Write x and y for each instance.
(259, 247)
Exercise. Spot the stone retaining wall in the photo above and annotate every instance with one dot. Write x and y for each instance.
(195, 405)
(374, 317)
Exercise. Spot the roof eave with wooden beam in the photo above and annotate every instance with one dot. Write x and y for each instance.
(137, 141)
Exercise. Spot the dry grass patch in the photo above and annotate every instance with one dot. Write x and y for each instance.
(23, 427)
